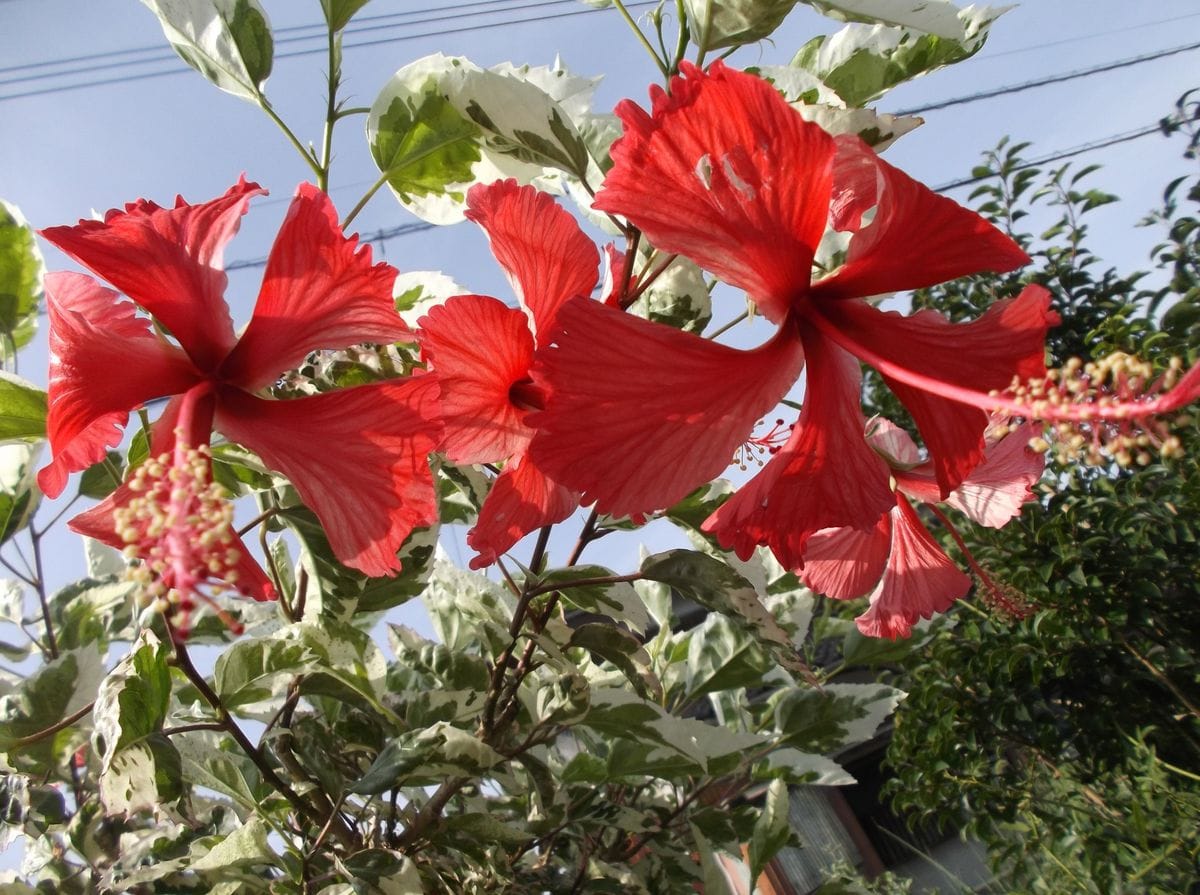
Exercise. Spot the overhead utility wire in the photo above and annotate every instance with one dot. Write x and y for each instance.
(462, 10)
(383, 235)
(165, 54)
(1052, 79)
(1077, 38)
(1057, 156)
(366, 43)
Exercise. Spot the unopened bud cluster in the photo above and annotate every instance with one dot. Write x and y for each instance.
(1102, 410)
(177, 532)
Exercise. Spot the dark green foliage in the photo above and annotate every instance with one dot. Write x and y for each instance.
(1069, 742)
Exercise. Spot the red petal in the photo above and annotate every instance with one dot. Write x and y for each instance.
(320, 290)
(104, 362)
(169, 261)
(546, 256)
(638, 414)
(826, 476)
(726, 173)
(358, 459)
(916, 238)
(523, 499)
(845, 563)
(922, 356)
(998, 487)
(479, 349)
(919, 580)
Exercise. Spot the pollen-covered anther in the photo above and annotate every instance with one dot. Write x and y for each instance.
(756, 446)
(176, 529)
(1002, 597)
(1101, 411)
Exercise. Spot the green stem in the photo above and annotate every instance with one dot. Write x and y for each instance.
(629, 20)
(362, 203)
(54, 728)
(335, 77)
(730, 325)
(705, 30)
(287, 132)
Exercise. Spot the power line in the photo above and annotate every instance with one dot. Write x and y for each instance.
(1081, 37)
(282, 36)
(381, 235)
(1052, 79)
(122, 79)
(1057, 156)
(384, 234)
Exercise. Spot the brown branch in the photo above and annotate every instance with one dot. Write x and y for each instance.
(183, 661)
(53, 728)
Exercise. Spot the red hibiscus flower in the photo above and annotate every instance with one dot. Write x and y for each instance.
(357, 457)
(724, 172)
(482, 352)
(911, 576)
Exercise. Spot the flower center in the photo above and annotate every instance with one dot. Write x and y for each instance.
(177, 527)
(755, 447)
(1103, 409)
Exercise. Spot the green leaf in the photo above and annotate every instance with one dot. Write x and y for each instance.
(618, 601)
(722, 656)
(622, 649)
(19, 495)
(22, 409)
(228, 41)
(44, 698)
(416, 291)
(771, 831)
(714, 585)
(834, 717)
(142, 776)
(862, 63)
(21, 272)
(133, 698)
(716, 881)
(678, 297)
(338, 13)
(442, 124)
(255, 670)
(427, 755)
(337, 591)
(101, 479)
(802, 768)
(93, 611)
(939, 17)
(421, 143)
(732, 23)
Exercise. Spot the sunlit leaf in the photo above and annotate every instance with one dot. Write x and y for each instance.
(21, 272)
(938, 17)
(227, 41)
(338, 13)
(861, 62)
(714, 24)
(22, 409)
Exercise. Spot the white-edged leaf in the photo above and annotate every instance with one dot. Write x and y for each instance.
(862, 62)
(938, 17)
(227, 41)
(714, 24)
(416, 291)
